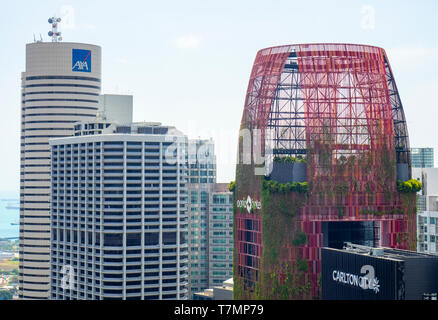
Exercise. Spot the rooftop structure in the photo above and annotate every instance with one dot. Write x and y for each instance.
(116, 108)
(222, 292)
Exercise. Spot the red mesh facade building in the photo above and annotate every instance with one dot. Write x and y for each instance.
(323, 142)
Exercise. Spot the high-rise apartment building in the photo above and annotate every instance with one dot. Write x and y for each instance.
(427, 224)
(427, 204)
(210, 220)
(422, 157)
(423, 170)
(60, 85)
(201, 180)
(322, 144)
(119, 213)
(220, 235)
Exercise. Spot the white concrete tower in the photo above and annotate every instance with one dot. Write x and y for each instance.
(60, 86)
(119, 213)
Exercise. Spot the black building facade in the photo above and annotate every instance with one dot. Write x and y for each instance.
(355, 273)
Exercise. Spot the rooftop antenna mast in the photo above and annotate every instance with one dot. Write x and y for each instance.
(55, 34)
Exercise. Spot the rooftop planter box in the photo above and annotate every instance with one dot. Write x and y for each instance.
(289, 172)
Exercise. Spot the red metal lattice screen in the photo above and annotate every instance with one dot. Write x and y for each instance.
(350, 140)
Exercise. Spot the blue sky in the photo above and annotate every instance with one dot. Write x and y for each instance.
(187, 63)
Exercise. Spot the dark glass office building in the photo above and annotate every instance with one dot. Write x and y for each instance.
(422, 158)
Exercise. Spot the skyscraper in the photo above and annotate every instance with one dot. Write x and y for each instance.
(427, 204)
(210, 220)
(220, 235)
(119, 213)
(323, 142)
(60, 86)
(422, 157)
(201, 181)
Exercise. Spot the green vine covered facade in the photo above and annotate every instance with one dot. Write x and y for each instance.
(323, 150)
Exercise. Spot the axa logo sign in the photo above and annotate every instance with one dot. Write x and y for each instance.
(366, 280)
(249, 204)
(81, 60)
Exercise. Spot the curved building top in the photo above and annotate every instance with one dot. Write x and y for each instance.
(322, 144)
(63, 58)
(324, 46)
(302, 92)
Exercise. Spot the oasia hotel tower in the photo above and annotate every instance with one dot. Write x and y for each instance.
(323, 159)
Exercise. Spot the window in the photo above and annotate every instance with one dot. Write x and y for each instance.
(151, 239)
(113, 240)
(219, 199)
(133, 239)
(61, 85)
(182, 238)
(204, 196)
(194, 197)
(62, 77)
(169, 238)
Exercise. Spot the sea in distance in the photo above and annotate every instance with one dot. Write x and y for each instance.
(9, 214)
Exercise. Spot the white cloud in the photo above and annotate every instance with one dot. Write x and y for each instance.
(188, 42)
(68, 17)
(368, 21)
